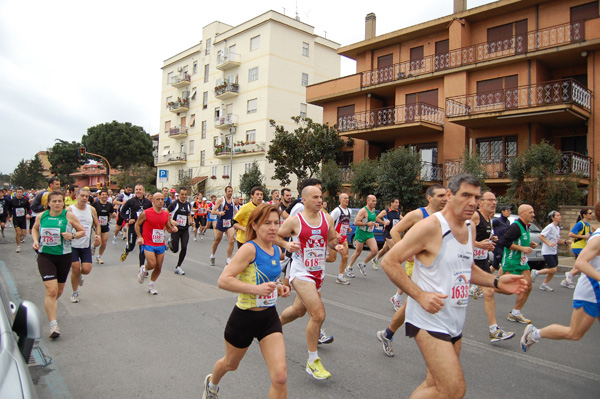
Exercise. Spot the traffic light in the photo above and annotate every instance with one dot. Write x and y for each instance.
(98, 185)
(81, 152)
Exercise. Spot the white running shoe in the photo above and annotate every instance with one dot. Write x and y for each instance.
(349, 273)
(75, 297)
(212, 261)
(179, 271)
(54, 331)
(142, 275)
(534, 274)
(546, 287)
(152, 290)
(527, 338)
(395, 303)
(342, 280)
(114, 241)
(18, 249)
(81, 280)
(375, 263)
(208, 393)
(387, 343)
(362, 268)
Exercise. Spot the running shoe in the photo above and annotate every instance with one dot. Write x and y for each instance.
(342, 280)
(317, 370)
(99, 260)
(324, 338)
(375, 263)
(212, 261)
(387, 343)
(18, 249)
(569, 277)
(179, 270)
(170, 244)
(142, 275)
(208, 393)
(395, 303)
(195, 239)
(93, 250)
(201, 237)
(500, 335)
(114, 241)
(527, 338)
(518, 318)
(54, 331)
(152, 290)
(566, 284)
(22, 240)
(362, 268)
(124, 256)
(349, 273)
(75, 297)
(546, 287)
(534, 274)
(477, 293)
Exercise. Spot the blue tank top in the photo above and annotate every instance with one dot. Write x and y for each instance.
(264, 268)
(425, 214)
(228, 208)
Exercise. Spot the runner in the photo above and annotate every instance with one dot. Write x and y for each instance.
(517, 245)
(212, 219)
(172, 198)
(4, 206)
(579, 233)
(180, 211)
(286, 200)
(200, 213)
(366, 223)
(442, 247)
(586, 298)
(341, 219)
(151, 239)
(52, 241)
(240, 221)
(39, 201)
(225, 213)
(550, 237)
(71, 197)
(105, 211)
(81, 248)
(392, 216)
(500, 225)
(437, 198)
(118, 202)
(165, 193)
(253, 273)
(275, 199)
(20, 209)
(130, 211)
(312, 231)
(484, 244)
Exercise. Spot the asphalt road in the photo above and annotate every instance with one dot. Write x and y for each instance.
(121, 342)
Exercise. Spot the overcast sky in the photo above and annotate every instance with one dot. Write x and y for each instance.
(67, 65)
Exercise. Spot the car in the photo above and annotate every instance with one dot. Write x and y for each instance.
(378, 232)
(535, 258)
(20, 327)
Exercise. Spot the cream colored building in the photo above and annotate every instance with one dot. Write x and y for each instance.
(225, 90)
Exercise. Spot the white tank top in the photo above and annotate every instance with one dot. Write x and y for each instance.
(588, 289)
(450, 274)
(86, 219)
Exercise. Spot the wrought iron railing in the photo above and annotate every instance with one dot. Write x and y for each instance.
(178, 104)
(431, 172)
(227, 87)
(174, 131)
(184, 77)
(418, 112)
(227, 120)
(525, 43)
(565, 91)
(575, 163)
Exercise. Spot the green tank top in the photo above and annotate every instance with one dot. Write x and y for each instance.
(514, 259)
(371, 216)
(51, 239)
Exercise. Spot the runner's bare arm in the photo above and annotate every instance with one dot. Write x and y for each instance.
(380, 218)
(214, 210)
(333, 237)
(591, 250)
(289, 228)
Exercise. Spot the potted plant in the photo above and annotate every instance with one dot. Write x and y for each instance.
(225, 176)
(213, 177)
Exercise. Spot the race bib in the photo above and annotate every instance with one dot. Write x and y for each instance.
(202, 211)
(181, 220)
(395, 222)
(50, 236)
(226, 222)
(370, 229)
(480, 254)
(343, 230)
(524, 259)
(266, 301)
(459, 295)
(158, 236)
(314, 259)
(20, 212)
(103, 220)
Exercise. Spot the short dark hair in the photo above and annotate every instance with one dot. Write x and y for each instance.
(275, 189)
(104, 190)
(228, 187)
(457, 180)
(283, 191)
(52, 180)
(128, 186)
(255, 189)
(431, 189)
(310, 182)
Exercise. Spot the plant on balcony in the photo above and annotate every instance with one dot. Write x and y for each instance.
(225, 176)
(213, 177)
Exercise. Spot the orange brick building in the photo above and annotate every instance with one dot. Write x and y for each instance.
(495, 79)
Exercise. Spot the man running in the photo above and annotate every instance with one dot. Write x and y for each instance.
(500, 225)
(286, 200)
(105, 212)
(275, 199)
(341, 219)
(118, 203)
(180, 211)
(313, 230)
(442, 247)
(240, 221)
(130, 211)
(393, 216)
(152, 241)
(20, 209)
(4, 206)
(200, 216)
(81, 255)
(225, 212)
(366, 223)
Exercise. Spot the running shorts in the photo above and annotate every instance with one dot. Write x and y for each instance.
(551, 261)
(412, 331)
(245, 325)
(54, 267)
(3, 218)
(20, 223)
(83, 254)
(590, 308)
(157, 250)
(484, 265)
(297, 270)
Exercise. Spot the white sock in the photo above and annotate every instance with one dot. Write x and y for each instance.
(55, 323)
(536, 334)
(312, 356)
(212, 386)
(212, 256)
(493, 327)
(515, 312)
(228, 260)
(397, 297)
(151, 284)
(341, 275)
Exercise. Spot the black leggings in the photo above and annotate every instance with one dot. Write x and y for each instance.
(131, 240)
(184, 236)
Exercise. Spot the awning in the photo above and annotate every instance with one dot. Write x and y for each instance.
(198, 179)
(193, 120)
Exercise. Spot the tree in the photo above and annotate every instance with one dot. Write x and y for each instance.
(301, 152)
(471, 163)
(364, 178)
(398, 177)
(331, 181)
(133, 144)
(253, 177)
(64, 158)
(19, 176)
(138, 174)
(35, 173)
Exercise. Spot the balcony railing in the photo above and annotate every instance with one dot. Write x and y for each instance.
(240, 149)
(226, 121)
(227, 90)
(566, 91)
(430, 172)
(227, 61)
(418, 112)
(575, 163)
(519, 44)
(181, 80)
(179, 106)
(178, 131)
(173, 157)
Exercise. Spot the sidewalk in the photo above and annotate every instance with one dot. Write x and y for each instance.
(565, 263)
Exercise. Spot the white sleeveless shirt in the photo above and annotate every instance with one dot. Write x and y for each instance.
(450, 274)
(587, 288)
(86, 219)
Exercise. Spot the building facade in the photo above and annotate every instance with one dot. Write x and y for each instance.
(218, 98)
(493, 79)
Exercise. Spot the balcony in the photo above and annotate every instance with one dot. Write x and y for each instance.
(226, 122)
(227, 90)
(536, 40)
(386, 124)
(181, 80)
(228, 61)
(430, 173)
(240, 149)
(556, 103)
(178, 132)
(172, 159)
(179, 106)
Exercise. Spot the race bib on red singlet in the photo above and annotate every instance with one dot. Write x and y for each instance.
(158, 236)
(343, 230)
(314, 259)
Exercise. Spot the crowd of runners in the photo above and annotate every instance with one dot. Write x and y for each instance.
(438, 255)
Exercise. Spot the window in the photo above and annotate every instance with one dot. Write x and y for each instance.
(202, 158)
(213, 170)
(167, 126)
(191, 146)
(182, 122)
(250, 135)
(252, 74)
(303, 110)
(170, 77)
(195, 68)
(193, 120)
(498, 93)
(181, 174)
(416, 58)
(255, 43)
(345, 117)
(247, 167)
(508, 36)
(252, 105)
(226, 170)
(193, 93)
(169, 99)
(385, 68)
(305, 49)
(304, 79)
(442, 54)
(203, 129)
(191, 172)
(496, 153)
(232, 49)
(206, 71)
(185, 70)
(217, 113)
(204, 100)
(217, 141)
(207, 50)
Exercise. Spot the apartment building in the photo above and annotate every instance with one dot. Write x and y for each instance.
(218, 98)
(493, 79)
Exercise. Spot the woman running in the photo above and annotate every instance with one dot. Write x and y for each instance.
(579, 233)
(253, 273)
(52, 235)
(550, 237)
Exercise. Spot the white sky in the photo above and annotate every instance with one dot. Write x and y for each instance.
(67, 65)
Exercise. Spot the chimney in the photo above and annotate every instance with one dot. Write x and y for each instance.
(460, 6)
(370, 22)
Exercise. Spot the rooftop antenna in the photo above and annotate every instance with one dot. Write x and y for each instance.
(297, 16)
(283, 10)
(325, 34)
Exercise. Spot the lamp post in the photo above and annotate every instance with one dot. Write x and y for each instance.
(231, 132)
(107, 169)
